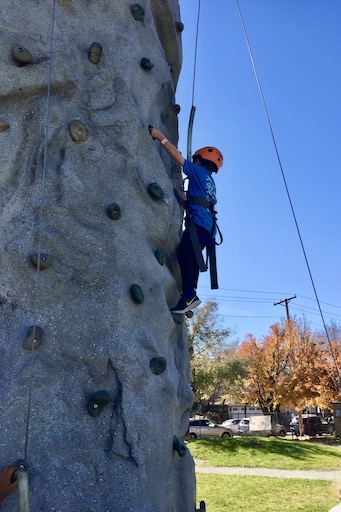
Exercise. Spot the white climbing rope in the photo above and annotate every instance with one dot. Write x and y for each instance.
(39, 244)
(338, 377)
(24, 503)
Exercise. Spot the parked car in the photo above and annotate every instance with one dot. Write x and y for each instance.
(204, 427)
(231, 424)
(312, 425)
(276, 430)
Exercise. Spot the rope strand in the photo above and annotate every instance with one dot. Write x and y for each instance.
(195, 52)
(40, 220)
(288, 194)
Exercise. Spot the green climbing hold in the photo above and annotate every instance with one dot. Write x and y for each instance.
(97, 401)
(137, 12)
(78, 130)
(3, 126)
(137, 293)
(158, 365)
(114, 211)
(155, 191)
(178, 319)
(191, 352)
(174, 110)
(179, 26)
(95, 52)
(179, 447)
(146, 64)
(34, 338)
(160, 255)
(21, 54)
(45, 261)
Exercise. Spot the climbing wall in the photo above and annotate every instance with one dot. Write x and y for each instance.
(94, 370)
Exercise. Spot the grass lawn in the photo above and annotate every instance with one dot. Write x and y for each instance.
(266, 452)
(227, 493)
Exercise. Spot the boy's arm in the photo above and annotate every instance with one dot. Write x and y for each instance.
(171, 150)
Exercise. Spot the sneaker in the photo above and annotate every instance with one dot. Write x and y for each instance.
(186, 304)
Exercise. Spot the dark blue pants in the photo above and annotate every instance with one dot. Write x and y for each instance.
(187, 260)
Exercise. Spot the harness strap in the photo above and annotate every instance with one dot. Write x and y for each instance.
(211, 257)
(196, 245)
(200, 201)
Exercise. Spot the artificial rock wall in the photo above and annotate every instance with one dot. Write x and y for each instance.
(107, 364)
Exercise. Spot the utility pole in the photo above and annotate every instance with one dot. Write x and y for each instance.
(286, 304)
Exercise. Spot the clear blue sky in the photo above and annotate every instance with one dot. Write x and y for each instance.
(297, 50)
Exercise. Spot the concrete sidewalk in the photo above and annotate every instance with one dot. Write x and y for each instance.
(274, 473)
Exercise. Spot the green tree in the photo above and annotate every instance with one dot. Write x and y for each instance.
(216, 368)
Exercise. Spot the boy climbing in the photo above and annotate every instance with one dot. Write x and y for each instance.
(200, 219)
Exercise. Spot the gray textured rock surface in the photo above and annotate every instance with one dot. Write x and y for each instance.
(96, 338)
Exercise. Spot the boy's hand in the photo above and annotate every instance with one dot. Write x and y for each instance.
(156, 134)
(6, 485)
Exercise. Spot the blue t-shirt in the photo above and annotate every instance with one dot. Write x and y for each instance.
(201, 184)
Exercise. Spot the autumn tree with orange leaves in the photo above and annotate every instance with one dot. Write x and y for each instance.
(304, 381)
(332, 346)
(268, 359)
(293, 366)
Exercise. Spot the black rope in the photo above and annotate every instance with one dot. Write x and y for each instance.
(193, 108)
(288, 194)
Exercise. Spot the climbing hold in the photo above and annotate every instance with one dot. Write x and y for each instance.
(160, 255)
(176, 171)
(78, 130)
(45, 261)
(114, 211)
(174, 110)
(97, 401)
(179, 447)
(155, 191)
(3, 126)
(34, 338)
(158, 365)
(178, 319)
(179, 26)
(189, 314)
(21, 54)
(146, 64)
(95, 52)
(137, 293)
(202, 507)
(191, 352)
(137, 12)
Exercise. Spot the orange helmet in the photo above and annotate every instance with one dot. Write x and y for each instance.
(212, 154)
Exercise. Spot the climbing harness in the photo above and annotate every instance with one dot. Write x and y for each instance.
(211, 259)
(338, 377)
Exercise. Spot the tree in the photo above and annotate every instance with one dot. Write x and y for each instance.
(332, 383)
(291, 366)
(216, 368)
(303, 381)
(268, 360)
